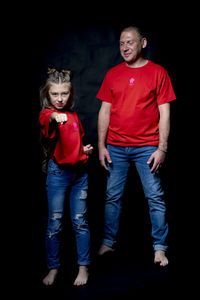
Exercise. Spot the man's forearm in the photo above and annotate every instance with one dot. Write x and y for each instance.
(164, 126)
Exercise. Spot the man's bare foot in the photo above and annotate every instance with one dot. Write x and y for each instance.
(51, 276)
(82, 276)
(104, 249)
(160, 258)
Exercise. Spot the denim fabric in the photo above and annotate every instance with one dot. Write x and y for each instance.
(59, 181)
(151, 182)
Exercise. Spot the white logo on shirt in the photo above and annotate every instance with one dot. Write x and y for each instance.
(131, 81)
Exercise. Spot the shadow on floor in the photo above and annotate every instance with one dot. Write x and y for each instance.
(113, 277)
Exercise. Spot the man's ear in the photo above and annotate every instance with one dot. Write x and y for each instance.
(144, 42)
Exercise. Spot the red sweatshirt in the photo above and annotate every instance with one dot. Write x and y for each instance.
(68, 136)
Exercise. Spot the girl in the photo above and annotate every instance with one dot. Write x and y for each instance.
(62, 132)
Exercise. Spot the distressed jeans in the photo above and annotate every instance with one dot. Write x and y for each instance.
(59, 181)
(151, 182)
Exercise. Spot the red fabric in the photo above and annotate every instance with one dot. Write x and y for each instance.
(69, 146)
(135, 94)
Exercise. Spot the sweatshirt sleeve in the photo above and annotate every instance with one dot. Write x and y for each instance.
(44, 123)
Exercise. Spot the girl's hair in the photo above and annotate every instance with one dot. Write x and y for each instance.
(55, 77)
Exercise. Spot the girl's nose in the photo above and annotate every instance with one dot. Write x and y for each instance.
(59, 98)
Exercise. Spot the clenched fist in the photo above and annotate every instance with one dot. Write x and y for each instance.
(59, 118)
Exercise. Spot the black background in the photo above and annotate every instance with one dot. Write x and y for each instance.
(85, 39)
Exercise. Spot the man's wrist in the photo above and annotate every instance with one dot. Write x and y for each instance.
(101, 145)
(162, 149)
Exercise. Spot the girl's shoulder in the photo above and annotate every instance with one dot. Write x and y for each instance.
(73, 114)
(47, 111)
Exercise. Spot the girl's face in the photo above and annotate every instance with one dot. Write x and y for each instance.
(59, 95)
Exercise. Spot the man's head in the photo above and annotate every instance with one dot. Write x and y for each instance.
(132, 42)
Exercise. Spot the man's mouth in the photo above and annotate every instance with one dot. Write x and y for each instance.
(127, 54)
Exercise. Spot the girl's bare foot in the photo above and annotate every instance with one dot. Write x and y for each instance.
(160, 258)
(82, 276)
(51, 276)
(104, 249)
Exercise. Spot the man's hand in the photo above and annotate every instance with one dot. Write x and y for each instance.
(156, 159)
(104, 156)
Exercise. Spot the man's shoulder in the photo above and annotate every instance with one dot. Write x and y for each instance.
(116, 68)
(155, 66)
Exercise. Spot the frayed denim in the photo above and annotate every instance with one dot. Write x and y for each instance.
(59, 181)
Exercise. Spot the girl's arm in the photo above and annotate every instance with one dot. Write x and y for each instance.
(59, 118)
(56, 118)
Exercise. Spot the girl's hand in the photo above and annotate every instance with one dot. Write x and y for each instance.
(88, 149)
(59, 118)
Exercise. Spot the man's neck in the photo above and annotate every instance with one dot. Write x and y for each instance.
(140, 62)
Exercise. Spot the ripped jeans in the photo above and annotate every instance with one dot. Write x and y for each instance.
(59, 181)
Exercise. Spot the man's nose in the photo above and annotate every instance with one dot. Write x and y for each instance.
(125, 47)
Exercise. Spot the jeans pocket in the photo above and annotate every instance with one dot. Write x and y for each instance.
(53, 169)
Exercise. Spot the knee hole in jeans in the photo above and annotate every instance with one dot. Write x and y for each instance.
(55, 224)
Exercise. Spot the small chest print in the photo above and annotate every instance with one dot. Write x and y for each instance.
(131, 81)
(75, 126)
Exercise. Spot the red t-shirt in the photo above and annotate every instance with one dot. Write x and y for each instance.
(135, 94)
(68, 138)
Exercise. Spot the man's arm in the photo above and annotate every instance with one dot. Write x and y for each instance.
(164, 126)
(158, 157)
(103, 123)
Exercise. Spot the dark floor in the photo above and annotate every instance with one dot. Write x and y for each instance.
(129, 273)
(114, 277)
(120, 275)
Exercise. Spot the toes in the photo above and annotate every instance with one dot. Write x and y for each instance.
(79, 282)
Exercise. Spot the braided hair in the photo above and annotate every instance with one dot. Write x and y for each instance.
(53, 77)
(57, 77)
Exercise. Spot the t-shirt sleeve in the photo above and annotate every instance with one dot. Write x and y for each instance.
(165, 92)
(44, 123)
(105, 92)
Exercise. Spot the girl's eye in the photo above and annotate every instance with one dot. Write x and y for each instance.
(65, 94)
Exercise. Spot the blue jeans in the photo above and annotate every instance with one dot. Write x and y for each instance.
(59, 181)
(151, 182)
